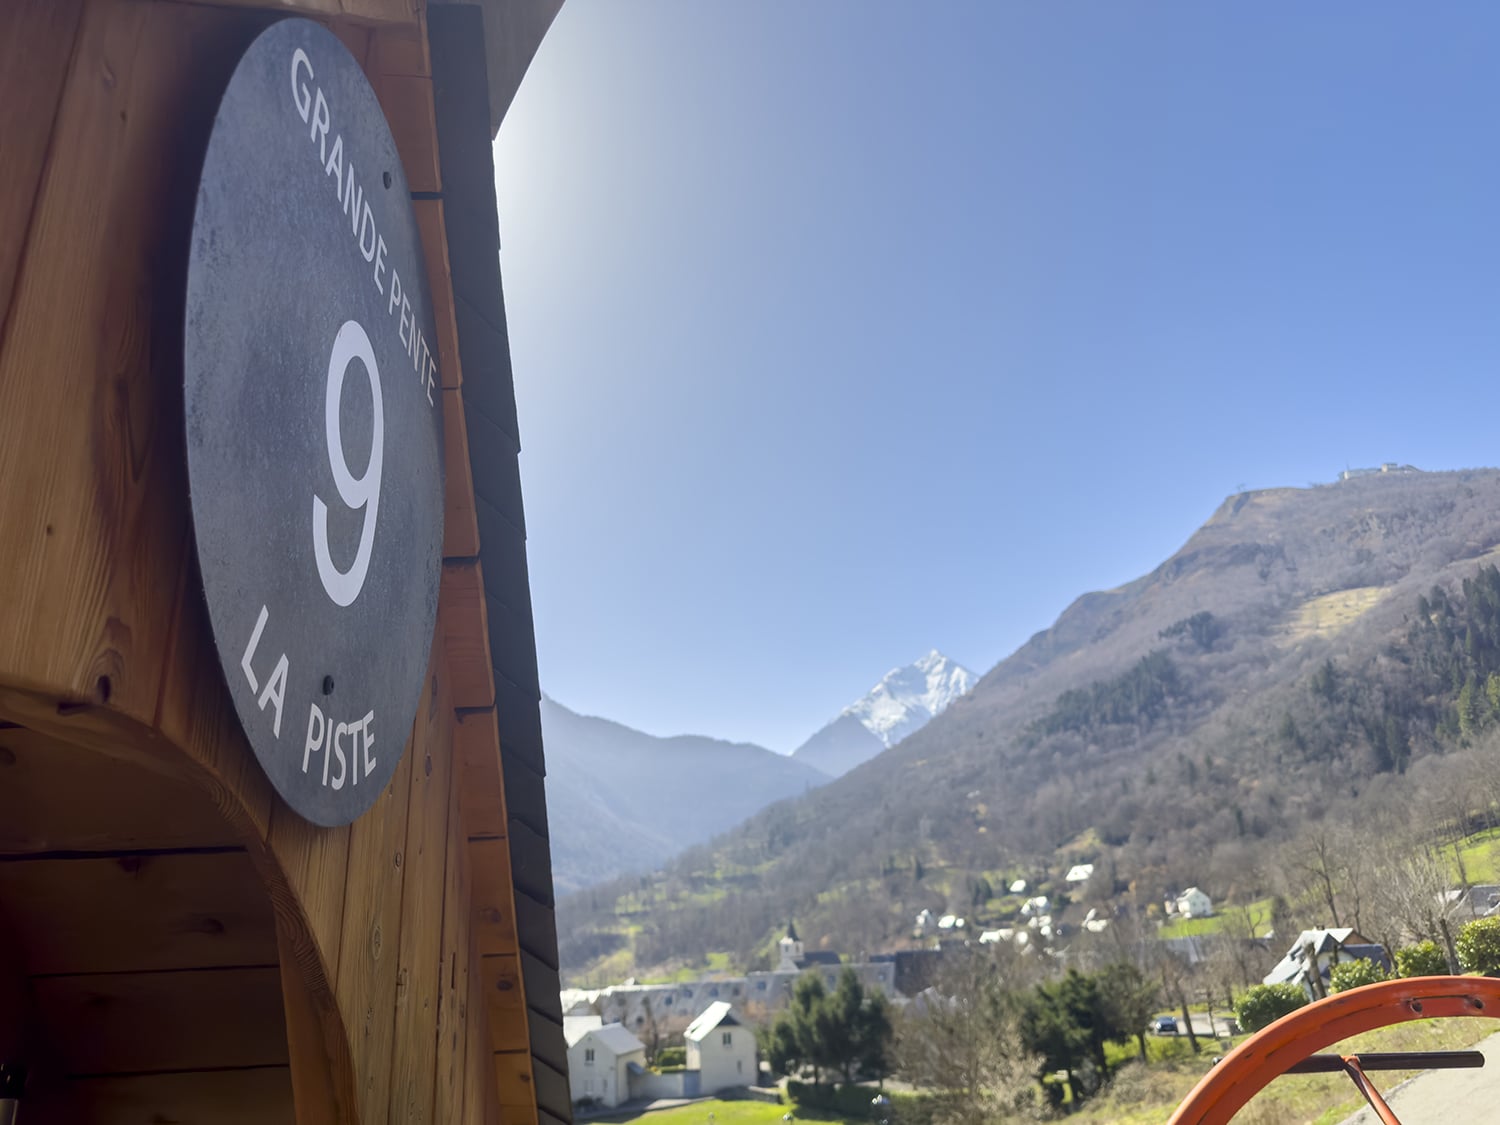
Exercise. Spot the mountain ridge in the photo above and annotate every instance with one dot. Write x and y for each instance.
(1055, 754)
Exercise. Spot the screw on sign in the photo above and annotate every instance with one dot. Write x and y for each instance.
(314, 435)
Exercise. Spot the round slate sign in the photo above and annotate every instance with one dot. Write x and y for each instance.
(314, 423)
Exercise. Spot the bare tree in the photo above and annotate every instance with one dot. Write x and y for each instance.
(961, 1039)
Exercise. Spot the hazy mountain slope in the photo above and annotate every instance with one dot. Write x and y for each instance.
(620, 800)
(904, 701)
(1167, 758)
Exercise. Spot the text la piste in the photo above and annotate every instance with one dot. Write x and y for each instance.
(324, 737)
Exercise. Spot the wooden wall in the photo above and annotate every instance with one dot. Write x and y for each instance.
(348, 960)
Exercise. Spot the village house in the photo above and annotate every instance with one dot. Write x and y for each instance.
(722, 1050)
(1310, 960)
(1079, 873)
(602, 1059)
(1194, 903)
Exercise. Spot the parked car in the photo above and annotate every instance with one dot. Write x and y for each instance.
(1164, 1025)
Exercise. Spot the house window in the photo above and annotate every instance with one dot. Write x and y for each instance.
(760, 986)
(588, 1055)
(727, 1036)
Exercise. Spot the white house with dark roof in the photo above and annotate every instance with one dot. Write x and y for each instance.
(1315, 952)
(722, 1050)
(601, 1059)
(1194, 903)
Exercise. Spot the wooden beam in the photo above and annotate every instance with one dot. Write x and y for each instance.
(466, 640)
(369, 951)
(494, 906)
(58, 797)
(482, 794)
(137, 912)
(36, 45)
(505, 1002)
(453, 1006)
(262, 1096)
(407, 102)
(122, 1023)
(414, 1056)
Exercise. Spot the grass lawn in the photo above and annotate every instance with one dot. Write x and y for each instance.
(1260, 916)
(1146, 1096)
(735, 1113)
(1481, 856)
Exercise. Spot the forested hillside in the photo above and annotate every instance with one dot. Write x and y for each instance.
(1304, 649)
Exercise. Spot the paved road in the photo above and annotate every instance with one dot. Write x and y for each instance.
(1446, 1097)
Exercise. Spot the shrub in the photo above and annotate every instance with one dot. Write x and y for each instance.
(1267, 1003)
(1424, 959)
(1354, 974)
(853, 1102)
(671, 1056)
(1479, 946)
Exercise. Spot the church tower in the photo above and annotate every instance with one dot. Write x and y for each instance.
(791, 950)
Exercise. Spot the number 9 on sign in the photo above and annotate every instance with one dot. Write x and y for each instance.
(343, 586)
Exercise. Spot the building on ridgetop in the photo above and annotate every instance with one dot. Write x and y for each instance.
(722, 1050)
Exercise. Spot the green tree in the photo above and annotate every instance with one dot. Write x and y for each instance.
(1479, 946)
(1354, 974)
(1424, 959)
(792, 1042)
(845, 1031)
(1266, 1003)
(1128, 998)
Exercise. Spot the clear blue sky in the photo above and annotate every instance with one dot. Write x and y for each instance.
(844, 330)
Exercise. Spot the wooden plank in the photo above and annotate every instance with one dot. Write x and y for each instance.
(314, 863)
(118, 1023)
(365, 11)
(369, 950)
(55, 796)
(138, 912)
(457, 943)
(464, 621)
(513, 1082)
(407, 102)
(322, 1073)
(494, 907)
(414, 1049)
(401, 50)
(357, 38)
(477, 744)
(262, 1096)
(480, 1092)
(36, 44)
(460, 514)
(196, 714)
(505, 1002)
(432, 225)
(94, 514)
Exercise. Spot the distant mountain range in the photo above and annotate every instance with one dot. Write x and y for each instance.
(621, 801)
(903, 702)
(1303, 646)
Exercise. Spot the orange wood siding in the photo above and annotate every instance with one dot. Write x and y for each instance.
(343, 965)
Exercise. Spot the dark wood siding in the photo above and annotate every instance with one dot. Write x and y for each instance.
(461, 95)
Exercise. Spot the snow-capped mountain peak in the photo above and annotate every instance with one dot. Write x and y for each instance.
(906, 698)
